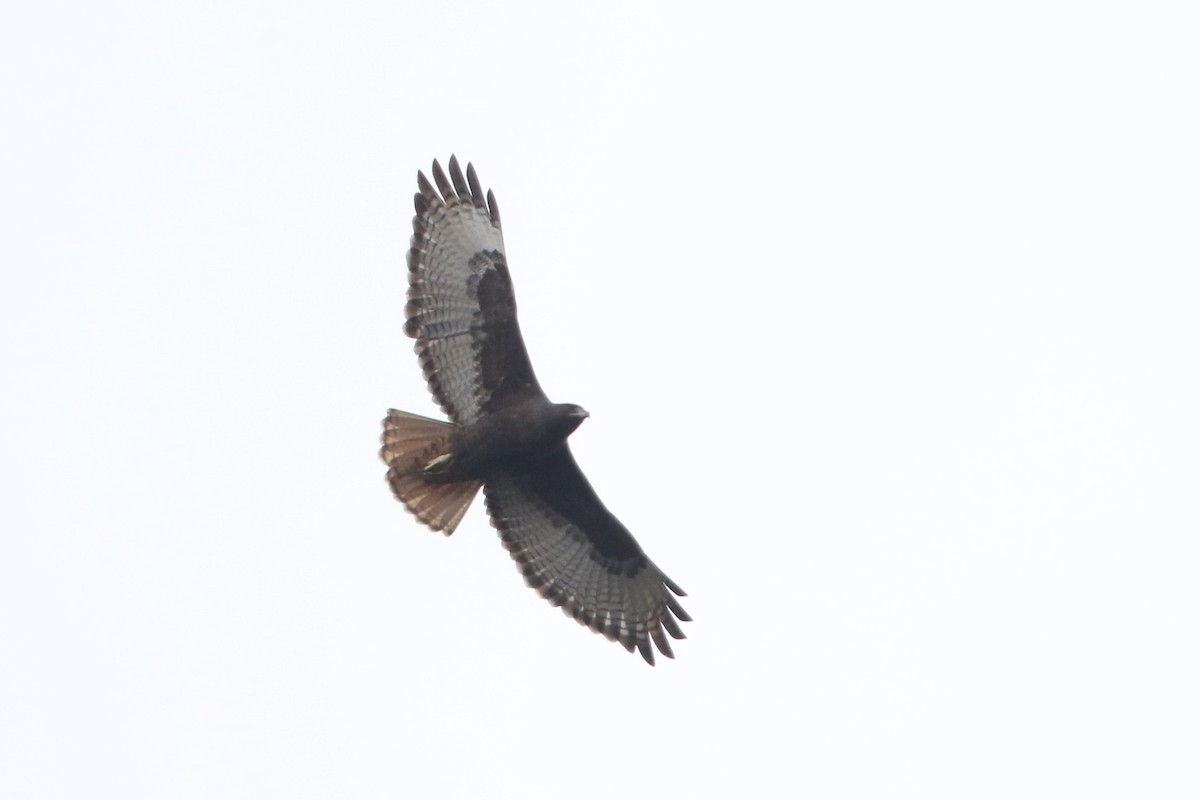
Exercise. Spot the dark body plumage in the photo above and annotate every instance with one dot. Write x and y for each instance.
(504, 434)
(515, 439)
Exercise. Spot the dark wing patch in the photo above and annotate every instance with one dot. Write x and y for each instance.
(504, 364)
(580, 557)
(461, 306)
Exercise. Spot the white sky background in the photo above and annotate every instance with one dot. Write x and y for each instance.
(886, 315)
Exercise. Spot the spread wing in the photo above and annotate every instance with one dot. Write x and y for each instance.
(579, 556)
(461, 307)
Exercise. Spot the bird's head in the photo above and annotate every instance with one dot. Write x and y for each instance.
(571, 416)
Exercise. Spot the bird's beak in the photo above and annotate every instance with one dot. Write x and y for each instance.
(580, 412)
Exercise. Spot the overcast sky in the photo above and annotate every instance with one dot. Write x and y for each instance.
(886, 315)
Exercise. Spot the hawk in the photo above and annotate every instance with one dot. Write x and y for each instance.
(504, 434)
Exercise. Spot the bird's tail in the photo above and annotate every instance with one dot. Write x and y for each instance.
(410, 443)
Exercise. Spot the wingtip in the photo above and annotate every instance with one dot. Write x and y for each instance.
(426, 194)
(453, 183)
(661, 642)
(643, 646)
(443, 183)
(456, 177)
(493, 208)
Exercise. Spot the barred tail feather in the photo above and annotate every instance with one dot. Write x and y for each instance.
(409, 443)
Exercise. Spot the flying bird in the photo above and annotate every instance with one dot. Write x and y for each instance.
(504, 434)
